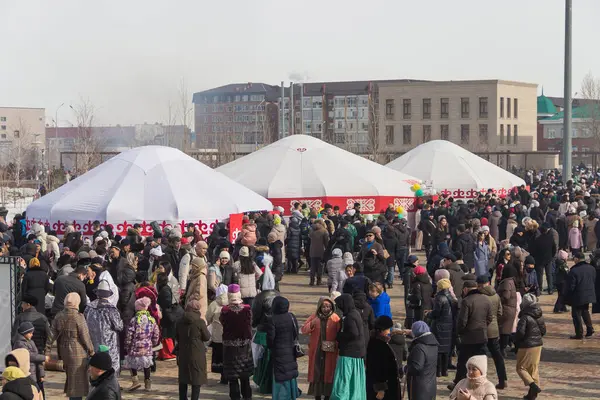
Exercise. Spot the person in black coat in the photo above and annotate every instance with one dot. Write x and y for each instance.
(465, 243)
(170, 312)
(581, 283)
(275, 250)
(293, 244)
(39, 321)
(103, 380)
(390, 243)
(351, 340)
(366, 313)
(543, 251)
(282, 332)
(36, 283)
(442, 322)
(421, 366)
(383, 368)
(357, 282)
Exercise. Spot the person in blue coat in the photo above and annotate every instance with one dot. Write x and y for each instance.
(379, 300)
(482, 255)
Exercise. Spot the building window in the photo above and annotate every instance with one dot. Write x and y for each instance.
(406, 109)
(406, 134)
(483, 107)
(340, 125)
(464, 107)
(3, 136)
(426, 108)
(464, 134)
(445, 132)
(516, 108)
(444, 107)
(389, 134)
(507, 134)
(426, 133)
(2, 119)
(340, 138)
(551, 134)
(501, 134)
(501, 107)
(389, 109)
(483, 133)
(508, 107)
(3, 127)
(515, 134)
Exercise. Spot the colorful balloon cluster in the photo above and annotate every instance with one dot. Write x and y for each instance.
(401, 212)
(417, 189)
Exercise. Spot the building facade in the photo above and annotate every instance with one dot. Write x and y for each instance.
(22, 135)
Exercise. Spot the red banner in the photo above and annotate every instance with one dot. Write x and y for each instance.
(368, 205)
(235, 226)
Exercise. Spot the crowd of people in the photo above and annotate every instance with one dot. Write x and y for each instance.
(115, 305)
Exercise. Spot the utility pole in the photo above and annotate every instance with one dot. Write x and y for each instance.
(567, 142)
(282, 111)
(292, 115)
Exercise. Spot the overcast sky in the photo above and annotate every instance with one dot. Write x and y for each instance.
(128, 57)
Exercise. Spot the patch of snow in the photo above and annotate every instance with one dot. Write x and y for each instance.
(16, 200)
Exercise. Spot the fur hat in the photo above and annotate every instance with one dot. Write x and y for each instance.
(224, 254)
(479, 362)
(528, 300)
(244, 252)
(233, 294)
(383, 322)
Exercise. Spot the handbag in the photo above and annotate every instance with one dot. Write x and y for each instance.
(386, 254)
(298, 351)
(328, 346)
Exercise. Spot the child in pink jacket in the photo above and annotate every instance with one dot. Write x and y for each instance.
(575, 240)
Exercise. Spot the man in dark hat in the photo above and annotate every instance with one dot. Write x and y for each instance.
(39, 321)
(103, 379)
(543, 251)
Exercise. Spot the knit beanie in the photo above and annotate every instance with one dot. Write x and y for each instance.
(224, 254)
(233, 294)
(336, 253)
(420, 270)
(25, 327)
(479, 362)
(444, 283)
(348, 259)
(142, 304)
(419, 328)
(441, 274)
(563, 255)
(101, 360)
(12, 373)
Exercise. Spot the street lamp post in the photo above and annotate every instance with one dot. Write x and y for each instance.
(56, 127)
(256, 126)
(568, 146)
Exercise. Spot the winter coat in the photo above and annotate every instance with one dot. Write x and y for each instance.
(248, 235)
(334, 266)
(40, 324)
(581, 285)
(126, 283)
(350, 338)
(74, 344)
(37, 284)
(366, 313)
(171, 313)
(281, 334)
(197, 286)
(575, 240)
(494, 223)
(237, 336)
(65, 285)
(466, 245)
(248, 281)
(36, 359)
(213, 318)
(591, 240)
(507, 292)
(184, 269)
(281, 231)
(442, 319)
(104, 324)
(373, 264)
(191, 333)
(18, 389)
(456, 278)
(531, 327)
(294, 240)
(428, 227)
(473, 318)
(493, 329)
(358, 283)
(262, 309)
(319, 240)
(381, 305)
(482, 258)
(312, 327)
(479, 390)
(511, 225)
(339, 280)
(276, 251)
(422, 368)
(105, 387)
(421, 293)
(543, 249)
(382, 370)
(142, 335)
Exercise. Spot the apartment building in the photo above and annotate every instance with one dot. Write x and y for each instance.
(22, 131)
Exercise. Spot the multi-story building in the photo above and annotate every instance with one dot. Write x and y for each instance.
(22, 134)
(236, 118)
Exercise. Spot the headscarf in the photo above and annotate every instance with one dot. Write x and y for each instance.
(444, 284)
(419, 329)
(72, 300)
(12, 373)
(220, 290)
(320, 312)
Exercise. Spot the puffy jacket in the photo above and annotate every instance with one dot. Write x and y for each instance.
(126, 282)
(248, 282)
(19, 389)
(213, 317)
(105, 387)
(466, 245)
(36, 283)
(493, 330)
(36, 359)
(581, 284)
(473, 318)
(40, 325)
(281, 334)
(293, 240)
(334, 266)
(319, 239)
(531, 327)
(249, 234)
(381, 305)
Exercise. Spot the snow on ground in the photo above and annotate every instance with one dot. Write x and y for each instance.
(16, 200)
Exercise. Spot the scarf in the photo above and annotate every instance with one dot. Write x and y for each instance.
(140, 314)
(370, 244)
(322, 316)
(383, 338)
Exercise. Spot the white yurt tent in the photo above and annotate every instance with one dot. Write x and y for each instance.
(145, 184)
(453, 170)
(301, 168)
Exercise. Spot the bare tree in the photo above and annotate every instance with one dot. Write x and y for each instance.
(185, 112)
(170, 121)
(88, 145)
(590, 92)
(22, 151)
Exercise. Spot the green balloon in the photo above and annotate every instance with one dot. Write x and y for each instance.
(419, 193)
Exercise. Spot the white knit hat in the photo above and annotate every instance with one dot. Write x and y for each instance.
(479, 362)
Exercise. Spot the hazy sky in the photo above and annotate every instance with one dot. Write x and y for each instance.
(128, 56)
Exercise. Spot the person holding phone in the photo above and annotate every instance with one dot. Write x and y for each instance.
(476, 385)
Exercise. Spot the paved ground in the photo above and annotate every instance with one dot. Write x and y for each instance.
(569, 369)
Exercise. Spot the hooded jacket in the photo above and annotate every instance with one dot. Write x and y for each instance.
(213, 317)
(282, 332)
(421, 367)
(493, 329)
(531, 327)
(381, 305)
(350, 338)
(19, 389)
(105, 387)
(36, 359)
(293, 241)
(334, 266)
(366, 313)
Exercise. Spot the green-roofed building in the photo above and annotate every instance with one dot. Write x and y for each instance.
(545, 107)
